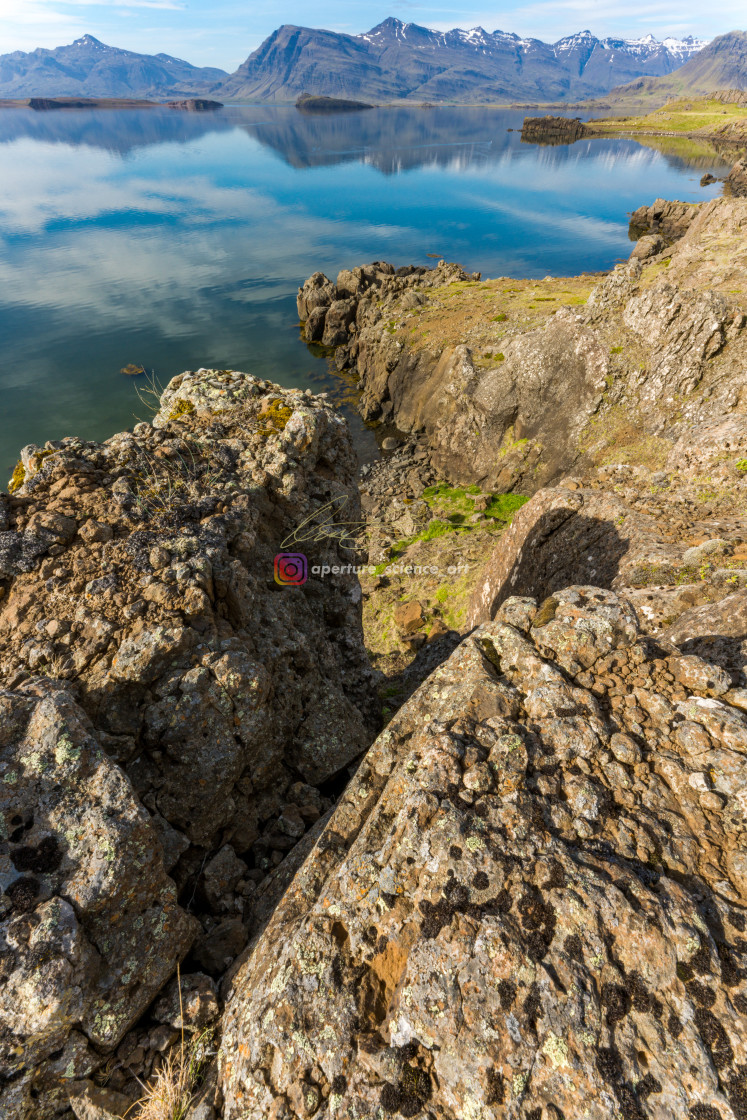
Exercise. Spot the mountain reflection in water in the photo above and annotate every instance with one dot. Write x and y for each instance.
(173, 240)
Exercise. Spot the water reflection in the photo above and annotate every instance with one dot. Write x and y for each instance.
(176, 240)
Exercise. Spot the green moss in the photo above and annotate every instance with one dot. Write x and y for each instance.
(454, 503)
(181, 408)
(741, 465)
(18, 478)
(499, 319)
(616, 350)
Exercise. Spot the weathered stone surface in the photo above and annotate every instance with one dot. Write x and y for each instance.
(140, 575)
(564, 536)
(531, 899)
(670, 220)
(190, 1004)
(736, 180)
(200, 673)
(92, 1102)
(728, 618)
(90, 928)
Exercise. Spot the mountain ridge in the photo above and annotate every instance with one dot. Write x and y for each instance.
(89, 68)
(398, 61)
(720, 65)
(394, 61)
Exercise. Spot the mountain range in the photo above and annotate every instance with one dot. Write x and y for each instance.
(89, 68)
(721, 65)
(394, 61)
(398, 61)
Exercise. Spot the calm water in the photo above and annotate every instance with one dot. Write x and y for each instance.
(176, 240)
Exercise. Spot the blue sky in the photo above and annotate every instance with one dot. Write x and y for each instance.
(223, 32)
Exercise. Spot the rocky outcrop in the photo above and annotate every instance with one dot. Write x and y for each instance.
(533, 893)
(90, 927)
(629, 531)
(736, 180)
(308, 104)
(552, 130)
(138, 574)
(196, 105)
(334, 313)
(730, 96)
(515, 400)
(669, 220)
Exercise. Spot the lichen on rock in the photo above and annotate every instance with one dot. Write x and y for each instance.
(502, 917)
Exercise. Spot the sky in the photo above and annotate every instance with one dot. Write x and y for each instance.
(223, 32)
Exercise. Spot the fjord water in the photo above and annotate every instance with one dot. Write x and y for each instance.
(178, 240)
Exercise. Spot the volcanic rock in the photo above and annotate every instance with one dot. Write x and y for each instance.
(90, 927)
(532, 894)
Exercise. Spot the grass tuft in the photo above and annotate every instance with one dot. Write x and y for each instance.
(171, 1093)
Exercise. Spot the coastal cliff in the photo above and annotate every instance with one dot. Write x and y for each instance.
(220, 876)
(515, 382)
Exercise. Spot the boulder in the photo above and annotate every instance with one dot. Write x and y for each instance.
(563, 536)
(200, 673)
(340, 315)
(533, 894)
(552, 130)
(90, 926)
(669, 220)
(189, 1004)
(317, 292)
(735, 183)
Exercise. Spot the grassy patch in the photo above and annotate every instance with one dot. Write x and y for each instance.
(684, 115)
(455, 503)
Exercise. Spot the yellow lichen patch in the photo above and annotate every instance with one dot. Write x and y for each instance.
(18, 478)
(39, 457)
(275, 415)
(181, 408)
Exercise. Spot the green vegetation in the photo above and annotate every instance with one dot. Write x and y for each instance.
(741, 465)
(455, 504)
(685, 115)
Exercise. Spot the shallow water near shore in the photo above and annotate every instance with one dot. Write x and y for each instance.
(175, 240)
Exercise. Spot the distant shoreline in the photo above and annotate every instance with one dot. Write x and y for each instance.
(45, 104)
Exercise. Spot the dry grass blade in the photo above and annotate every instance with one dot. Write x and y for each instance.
(172, 1090)
(150, 394)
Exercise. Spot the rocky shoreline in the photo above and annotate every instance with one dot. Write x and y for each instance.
(529, 889)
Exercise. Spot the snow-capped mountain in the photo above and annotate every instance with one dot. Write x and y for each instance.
(404, 60)
(392, 61)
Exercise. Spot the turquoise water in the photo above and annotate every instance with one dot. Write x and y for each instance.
(178, 240)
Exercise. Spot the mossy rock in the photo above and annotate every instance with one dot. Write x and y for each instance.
(17, 478)
(275, 416)
(181, 408)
